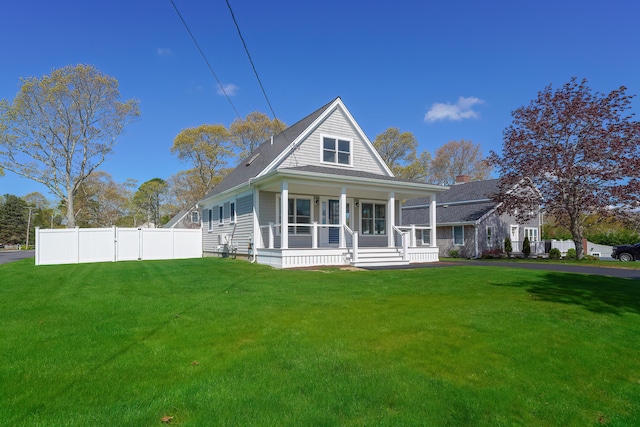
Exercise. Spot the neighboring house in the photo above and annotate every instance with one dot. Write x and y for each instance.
(342, 202)
(468, 220)
(186, 218)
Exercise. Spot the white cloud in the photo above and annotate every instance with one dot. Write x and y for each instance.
(229, 88)
(164, 51)
(458, 111)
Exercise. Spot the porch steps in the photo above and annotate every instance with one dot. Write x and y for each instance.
(378, 257)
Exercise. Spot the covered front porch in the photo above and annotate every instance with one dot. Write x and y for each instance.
(338, 220)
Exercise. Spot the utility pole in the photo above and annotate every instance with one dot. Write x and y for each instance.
(28, 227)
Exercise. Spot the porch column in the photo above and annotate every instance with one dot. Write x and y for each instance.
(391, 219)
(284, 213)
(343, 216)
(432, 221)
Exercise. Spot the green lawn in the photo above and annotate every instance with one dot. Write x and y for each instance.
(224, 342)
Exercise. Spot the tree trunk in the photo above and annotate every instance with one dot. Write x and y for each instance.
(71, 215)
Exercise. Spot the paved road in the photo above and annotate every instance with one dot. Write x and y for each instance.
(8, 256)
(615, 270)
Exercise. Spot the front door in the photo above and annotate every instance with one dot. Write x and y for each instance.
(330, 214)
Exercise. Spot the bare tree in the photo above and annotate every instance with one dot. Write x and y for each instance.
(60, 128)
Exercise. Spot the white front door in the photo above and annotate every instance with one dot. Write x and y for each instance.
(330, 214)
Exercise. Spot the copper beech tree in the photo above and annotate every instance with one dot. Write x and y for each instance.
(580, 149)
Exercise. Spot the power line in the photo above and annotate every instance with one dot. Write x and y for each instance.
(207, 62)
(252, 64)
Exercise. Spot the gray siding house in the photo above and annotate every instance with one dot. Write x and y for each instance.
(468, 221)
(342, 204)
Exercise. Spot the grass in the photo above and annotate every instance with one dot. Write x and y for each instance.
(223, 342)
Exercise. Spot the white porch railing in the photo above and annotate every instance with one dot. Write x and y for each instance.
(413, 231)
(354, 242)
(404, 236)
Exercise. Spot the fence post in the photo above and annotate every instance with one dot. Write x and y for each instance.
(140, 248)
(77, 244)
(37, 246)
(115, 243)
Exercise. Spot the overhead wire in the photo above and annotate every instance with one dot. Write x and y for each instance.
(207, 61)
(255, 71)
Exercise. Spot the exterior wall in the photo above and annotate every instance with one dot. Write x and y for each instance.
(238, 231)
(444, 241)
(310, 150)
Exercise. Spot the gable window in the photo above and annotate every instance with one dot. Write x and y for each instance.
(220, 214)
(458, 235)
(335, 150)
(374, 218)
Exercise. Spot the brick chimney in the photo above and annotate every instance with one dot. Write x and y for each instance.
(462, 179)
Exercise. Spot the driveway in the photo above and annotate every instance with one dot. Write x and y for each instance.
(616, 270)
(8, 256)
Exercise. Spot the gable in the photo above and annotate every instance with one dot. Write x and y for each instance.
(337, 125)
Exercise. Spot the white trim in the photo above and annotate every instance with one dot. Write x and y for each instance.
(337, 150)
(313, 126)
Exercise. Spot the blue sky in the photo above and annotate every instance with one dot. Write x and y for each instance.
(441, 70)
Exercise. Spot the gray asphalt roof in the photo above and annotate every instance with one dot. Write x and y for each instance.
(346, 172)
(474, 193)
(266, 153)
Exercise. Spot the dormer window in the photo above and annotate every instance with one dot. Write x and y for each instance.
(336, 150)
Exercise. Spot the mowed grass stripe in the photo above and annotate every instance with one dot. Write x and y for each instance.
(224, 342)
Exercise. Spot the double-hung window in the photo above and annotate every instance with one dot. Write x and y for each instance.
(336, 150)
(531, 233)
(221, 214)
(489, 236)
(374, 218)
(458, 235)
(210, 219)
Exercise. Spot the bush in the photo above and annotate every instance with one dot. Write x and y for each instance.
(526, 247)
(554, 253)
(571, 254)
(491, 253)
(454, 253)
(507, 246)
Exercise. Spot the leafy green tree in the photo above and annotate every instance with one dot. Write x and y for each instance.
(148, 199)
(209, 150)
(581, 151)
(246, 134)
(59, 128)
(13, 219)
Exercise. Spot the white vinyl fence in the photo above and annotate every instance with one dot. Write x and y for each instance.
(76, 245)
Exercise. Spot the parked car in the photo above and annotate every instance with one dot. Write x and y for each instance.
(1, 246)
(626, 252)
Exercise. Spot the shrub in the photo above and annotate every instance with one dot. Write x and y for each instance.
(554, 253)
(571, 253)
(507, 246)
(454, 253)
(526, 247)
(491, 253)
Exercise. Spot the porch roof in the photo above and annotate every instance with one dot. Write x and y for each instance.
(321, 181)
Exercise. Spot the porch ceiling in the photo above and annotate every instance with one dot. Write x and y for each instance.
(357, 187)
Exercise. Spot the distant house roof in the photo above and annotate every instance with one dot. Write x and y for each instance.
(266, 153)
(461, 203)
